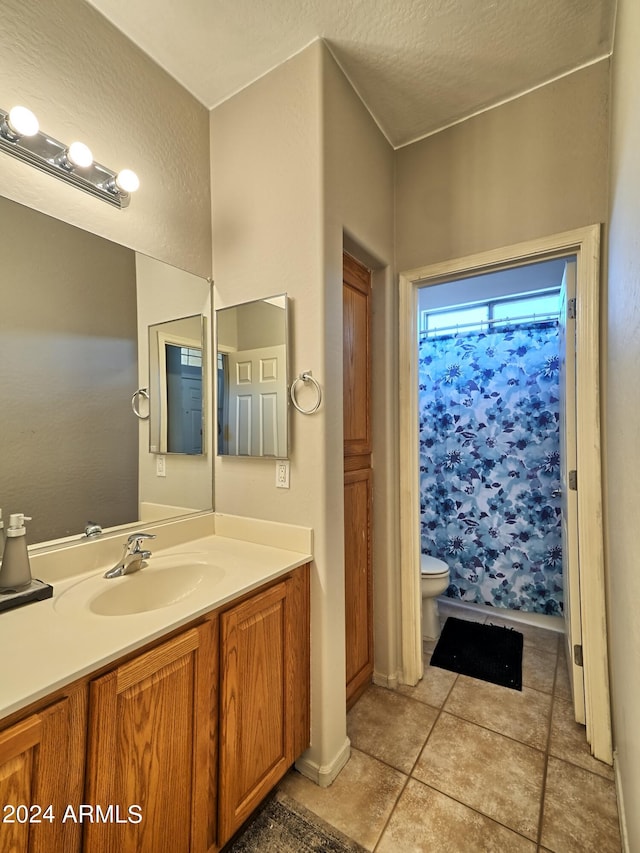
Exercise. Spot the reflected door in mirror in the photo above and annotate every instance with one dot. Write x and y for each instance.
(177, 354)
(257, 406)
(184, 399)
(253, 383)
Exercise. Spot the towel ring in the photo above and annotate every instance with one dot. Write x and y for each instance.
(306, 377)
(141, 392)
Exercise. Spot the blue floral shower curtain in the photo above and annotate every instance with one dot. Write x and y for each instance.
(490, 464)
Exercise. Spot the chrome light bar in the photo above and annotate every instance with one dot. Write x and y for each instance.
(38, 149)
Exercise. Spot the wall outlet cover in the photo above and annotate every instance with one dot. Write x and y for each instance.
(282, 473)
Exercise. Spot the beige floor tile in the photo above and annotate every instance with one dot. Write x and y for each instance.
(522, 715)
(539, 638)
(426, 821)
(359, 801)
(538, 669)
(390, 727)
(569, 741)
(433, 688)
(563, 685)
(580, 811)
(487, 771)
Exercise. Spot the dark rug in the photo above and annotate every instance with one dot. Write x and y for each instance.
(488, 652)
(281, 825)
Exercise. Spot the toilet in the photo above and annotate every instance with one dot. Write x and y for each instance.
(435, 580)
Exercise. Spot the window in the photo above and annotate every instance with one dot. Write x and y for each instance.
(191, 356)
(543, 305)
(440, 321)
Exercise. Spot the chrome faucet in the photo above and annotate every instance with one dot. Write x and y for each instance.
(133, 556)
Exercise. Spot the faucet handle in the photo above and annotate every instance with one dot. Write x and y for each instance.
(136, 539)
(92, 529)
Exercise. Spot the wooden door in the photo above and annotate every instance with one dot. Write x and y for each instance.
(356, 290)
(256, 744)
(41, 773)
(150, 741)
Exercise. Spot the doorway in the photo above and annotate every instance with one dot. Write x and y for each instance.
(584, 244)
(490, 465)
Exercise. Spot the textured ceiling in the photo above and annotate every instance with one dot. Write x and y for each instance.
(419, 65)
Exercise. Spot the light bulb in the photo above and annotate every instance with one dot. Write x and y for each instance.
(23, 122)
(127, 181)
(80, 155)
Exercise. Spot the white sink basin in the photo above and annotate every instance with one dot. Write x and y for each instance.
(161, 583)
(142, 591)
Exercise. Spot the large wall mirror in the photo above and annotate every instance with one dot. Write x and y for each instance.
(253, 378)
(74, 347)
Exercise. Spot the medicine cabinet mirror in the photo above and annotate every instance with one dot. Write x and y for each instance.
(252, 378)
(177, 386)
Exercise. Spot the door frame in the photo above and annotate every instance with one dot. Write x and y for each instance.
(585, 244)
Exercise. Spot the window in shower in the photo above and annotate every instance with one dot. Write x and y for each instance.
(534, 306)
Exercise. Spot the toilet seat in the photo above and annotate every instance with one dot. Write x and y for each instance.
(431, 566)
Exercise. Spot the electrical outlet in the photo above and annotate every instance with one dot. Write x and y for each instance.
(161, 466)
(282, 473)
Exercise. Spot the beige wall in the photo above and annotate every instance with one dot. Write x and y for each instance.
(267, 238)
(622, 449)
(532, 167)
(295, 158)
(358, 181)
(84, 79)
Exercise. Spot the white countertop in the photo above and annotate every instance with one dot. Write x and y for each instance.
(48, 644)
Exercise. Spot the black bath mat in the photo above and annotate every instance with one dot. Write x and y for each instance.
(488, 652)
(282, 825)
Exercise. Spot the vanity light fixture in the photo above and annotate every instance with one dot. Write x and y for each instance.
(20, 135)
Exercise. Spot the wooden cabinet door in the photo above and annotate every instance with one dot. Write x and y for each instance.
(358, 587)
(358, 476)
(256, 744)
(356, 366)
(149, 746)
(41, 772)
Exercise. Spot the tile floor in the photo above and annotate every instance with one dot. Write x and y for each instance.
(457, 765)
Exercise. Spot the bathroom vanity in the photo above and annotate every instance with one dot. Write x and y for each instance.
(162, 728)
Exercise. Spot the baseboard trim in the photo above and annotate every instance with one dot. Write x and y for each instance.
(622, 817)
(324, 774)
(391, 681)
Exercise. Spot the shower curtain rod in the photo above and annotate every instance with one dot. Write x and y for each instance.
(539, 318)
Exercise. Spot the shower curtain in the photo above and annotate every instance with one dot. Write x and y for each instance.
(490, 464)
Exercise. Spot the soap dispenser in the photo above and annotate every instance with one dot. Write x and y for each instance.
(15, 571)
